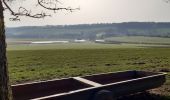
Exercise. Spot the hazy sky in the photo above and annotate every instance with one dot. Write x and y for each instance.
(98, 11)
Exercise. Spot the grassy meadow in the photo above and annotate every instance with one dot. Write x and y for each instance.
(48, 61)
(141, 40)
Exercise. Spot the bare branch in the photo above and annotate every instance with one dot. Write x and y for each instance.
(43, 4)
(23, 12)
(46, 4)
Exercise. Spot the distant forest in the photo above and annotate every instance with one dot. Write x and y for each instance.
(91, 31)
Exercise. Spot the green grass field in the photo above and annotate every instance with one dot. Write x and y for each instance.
(141, 40)
(70, 46)
(35, 65)
(58, 61)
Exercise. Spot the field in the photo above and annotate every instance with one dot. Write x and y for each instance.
(44, 62)
(70, 46)
(141, 40)
(35, 62)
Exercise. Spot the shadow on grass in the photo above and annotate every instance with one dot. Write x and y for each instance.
(144, 96)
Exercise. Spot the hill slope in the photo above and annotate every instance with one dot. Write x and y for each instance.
(91, 31)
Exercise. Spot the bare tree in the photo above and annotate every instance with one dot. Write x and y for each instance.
(5, 89)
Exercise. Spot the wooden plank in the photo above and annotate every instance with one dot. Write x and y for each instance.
(87, 81)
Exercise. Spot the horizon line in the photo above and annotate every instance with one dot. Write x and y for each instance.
(98, 23)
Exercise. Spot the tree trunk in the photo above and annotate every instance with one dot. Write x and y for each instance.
(5, 90)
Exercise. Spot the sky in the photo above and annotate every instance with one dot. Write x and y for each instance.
(94, 11)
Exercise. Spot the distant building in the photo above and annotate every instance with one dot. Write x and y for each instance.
(99, 40)
(80, 41)
(48, 42)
